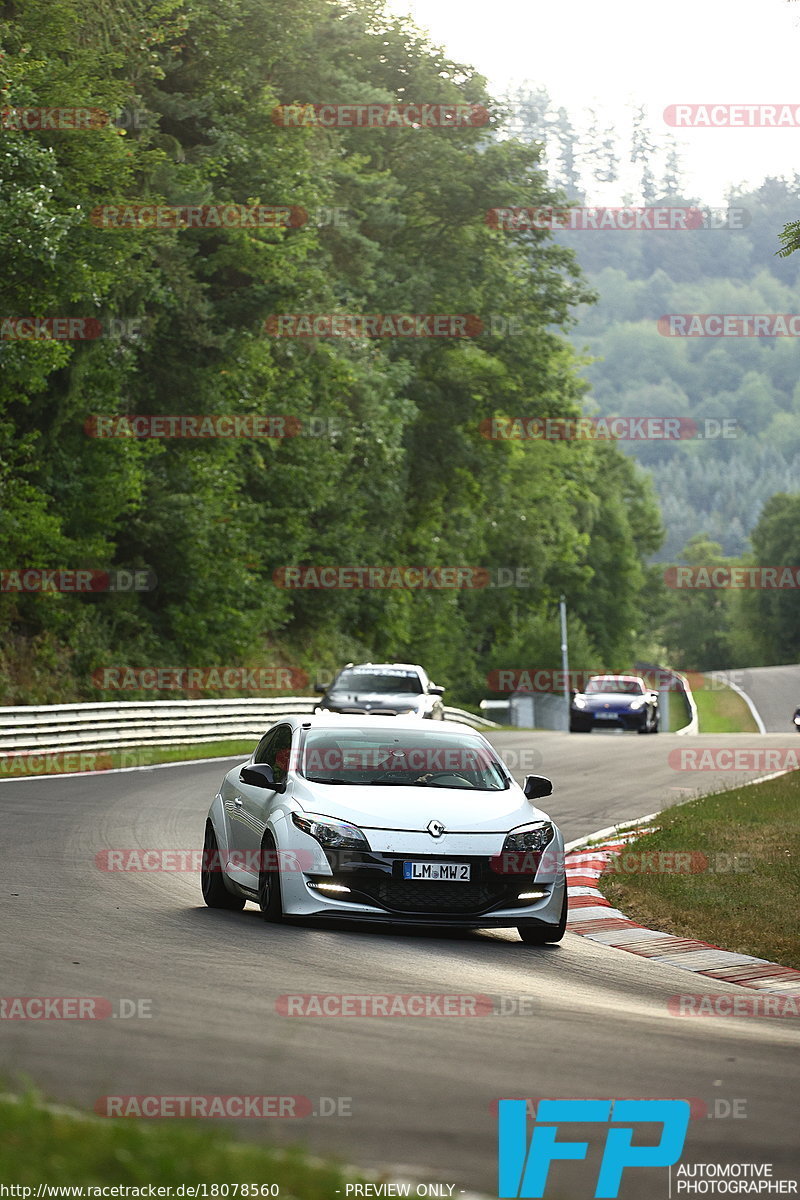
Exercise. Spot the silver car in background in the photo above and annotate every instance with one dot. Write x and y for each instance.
(401, 689)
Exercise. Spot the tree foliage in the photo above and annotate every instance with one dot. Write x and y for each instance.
(401, 473)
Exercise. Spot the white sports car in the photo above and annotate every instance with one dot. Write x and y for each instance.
(385, 819)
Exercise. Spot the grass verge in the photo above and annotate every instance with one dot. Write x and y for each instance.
(14, 766)
(40, 1144)
(678, 713)
(722, 710)
(745, 892)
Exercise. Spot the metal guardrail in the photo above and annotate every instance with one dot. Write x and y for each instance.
(53, 728)
(664, 694)
(693, 727)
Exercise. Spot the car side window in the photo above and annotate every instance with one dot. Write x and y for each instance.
(278, 751)
(264, 746)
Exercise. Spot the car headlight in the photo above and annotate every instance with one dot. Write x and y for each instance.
(337, 835)
(579, 702)
(636, 704)
(530, 837)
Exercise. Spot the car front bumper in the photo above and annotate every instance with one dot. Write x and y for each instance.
(624, 719)
(378, 891)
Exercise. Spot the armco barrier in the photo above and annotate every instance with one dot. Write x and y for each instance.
(693, 726)
(62, 727)
(664, 693)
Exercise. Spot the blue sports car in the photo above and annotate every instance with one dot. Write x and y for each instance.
(614, 702)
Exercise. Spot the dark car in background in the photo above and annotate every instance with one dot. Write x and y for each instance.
(385, 689)
(614, 702)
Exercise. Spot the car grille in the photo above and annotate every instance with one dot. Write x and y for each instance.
(429, 896)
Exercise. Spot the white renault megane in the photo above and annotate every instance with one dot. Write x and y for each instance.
(384, 819)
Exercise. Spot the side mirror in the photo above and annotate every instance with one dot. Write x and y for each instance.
(435, 690)
(261, 775)
(536, 786)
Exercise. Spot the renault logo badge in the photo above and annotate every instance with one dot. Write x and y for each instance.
(435, 828)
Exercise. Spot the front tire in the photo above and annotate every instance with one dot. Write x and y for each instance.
(269, 883)
(215, 894)
(541, 935)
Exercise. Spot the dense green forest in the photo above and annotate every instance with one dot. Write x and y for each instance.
(403, 475)
(388, 465)
(716, 486)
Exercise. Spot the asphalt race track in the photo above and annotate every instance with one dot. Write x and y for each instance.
(775, 691)
(595, 1021)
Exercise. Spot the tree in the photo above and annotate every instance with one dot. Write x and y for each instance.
(642, 151)
(402, 474)
(770, 616)
(601, 150)
(696, 624)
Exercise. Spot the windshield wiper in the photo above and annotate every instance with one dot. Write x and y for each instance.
(313, 779)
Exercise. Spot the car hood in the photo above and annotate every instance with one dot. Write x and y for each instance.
(376, 701)
(609, 699)
(412, 808)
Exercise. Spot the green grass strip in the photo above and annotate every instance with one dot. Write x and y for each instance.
(722, 710)
(15, 765)
(742, 889)
(41, 1144)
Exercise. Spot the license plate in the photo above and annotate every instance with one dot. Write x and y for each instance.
(605, 716)
(456, 872)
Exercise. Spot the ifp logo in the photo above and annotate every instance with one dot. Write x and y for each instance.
(523, 1170)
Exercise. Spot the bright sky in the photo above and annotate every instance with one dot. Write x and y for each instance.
(609, 53)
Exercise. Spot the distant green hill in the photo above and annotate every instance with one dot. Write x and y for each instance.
(717, 486)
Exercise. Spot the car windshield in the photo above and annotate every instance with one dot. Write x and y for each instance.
(613, 683)
(435, 758)
(385, 682)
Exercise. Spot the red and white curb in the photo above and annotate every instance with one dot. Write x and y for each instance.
(592, 916)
